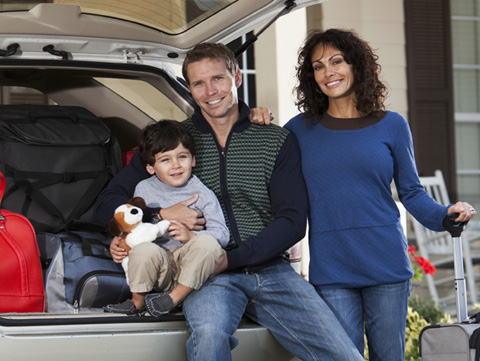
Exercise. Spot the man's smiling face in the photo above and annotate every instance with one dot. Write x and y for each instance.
(214, 89)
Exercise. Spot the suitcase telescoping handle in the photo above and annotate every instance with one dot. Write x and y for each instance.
(455, 229)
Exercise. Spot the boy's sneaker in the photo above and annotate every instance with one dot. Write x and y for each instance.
(159, 304)
(127, 307)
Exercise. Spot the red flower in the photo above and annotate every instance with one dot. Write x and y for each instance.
(411, 250)
(427, 267)
(425, 264)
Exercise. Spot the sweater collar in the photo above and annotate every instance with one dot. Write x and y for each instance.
(240, 125)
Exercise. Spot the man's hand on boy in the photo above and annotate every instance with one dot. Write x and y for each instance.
(180, 212)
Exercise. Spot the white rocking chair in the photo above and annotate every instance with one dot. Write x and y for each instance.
(437, 248)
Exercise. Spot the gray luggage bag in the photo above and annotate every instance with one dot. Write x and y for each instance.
(459, 341)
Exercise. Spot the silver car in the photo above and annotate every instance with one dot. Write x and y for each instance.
(119, 60)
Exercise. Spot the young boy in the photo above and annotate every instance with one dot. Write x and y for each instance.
(188, 258)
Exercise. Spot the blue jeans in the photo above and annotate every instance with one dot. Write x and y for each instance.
(382, 308)
(277, 298)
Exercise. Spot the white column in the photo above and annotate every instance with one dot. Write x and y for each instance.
(276, 54)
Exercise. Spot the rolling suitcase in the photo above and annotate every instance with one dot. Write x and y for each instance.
(459, 341)
(21, 280)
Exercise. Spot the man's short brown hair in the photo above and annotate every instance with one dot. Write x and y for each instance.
(211, 51)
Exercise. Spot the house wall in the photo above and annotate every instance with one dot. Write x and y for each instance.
(275, 60)
(380, 22)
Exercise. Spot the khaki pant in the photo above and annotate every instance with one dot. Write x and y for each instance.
(151, 267)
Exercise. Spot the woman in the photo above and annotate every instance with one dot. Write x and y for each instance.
(352, 149)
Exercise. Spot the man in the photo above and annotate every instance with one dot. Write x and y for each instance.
(255, 172)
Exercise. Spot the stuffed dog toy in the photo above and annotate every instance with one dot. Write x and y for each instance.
(127, 224)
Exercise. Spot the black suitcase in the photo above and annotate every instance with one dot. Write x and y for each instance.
(56, 160)
(459, 341)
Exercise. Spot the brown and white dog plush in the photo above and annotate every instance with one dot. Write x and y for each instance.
(127, 223)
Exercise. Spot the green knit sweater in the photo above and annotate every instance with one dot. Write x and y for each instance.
(240, 174)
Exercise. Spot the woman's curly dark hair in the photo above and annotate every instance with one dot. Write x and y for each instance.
(369, 90)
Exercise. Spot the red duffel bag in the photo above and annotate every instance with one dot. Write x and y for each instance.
(21, 279)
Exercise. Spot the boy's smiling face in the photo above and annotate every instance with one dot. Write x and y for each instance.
(173, 167)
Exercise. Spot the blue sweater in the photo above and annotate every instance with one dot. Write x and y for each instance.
(356, 238)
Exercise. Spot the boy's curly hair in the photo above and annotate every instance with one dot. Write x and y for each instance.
(370, 92)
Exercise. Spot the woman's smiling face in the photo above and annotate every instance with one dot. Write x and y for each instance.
(332, 73)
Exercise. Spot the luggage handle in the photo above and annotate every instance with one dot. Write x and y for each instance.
(87, 243)
(452, 227)
(32, 190)
(455, 229)
(37, 117)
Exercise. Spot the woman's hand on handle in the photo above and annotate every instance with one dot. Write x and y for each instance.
(465, 211)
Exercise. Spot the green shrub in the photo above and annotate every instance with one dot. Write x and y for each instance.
(415, 324)
(427, 309)
(421, 313)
